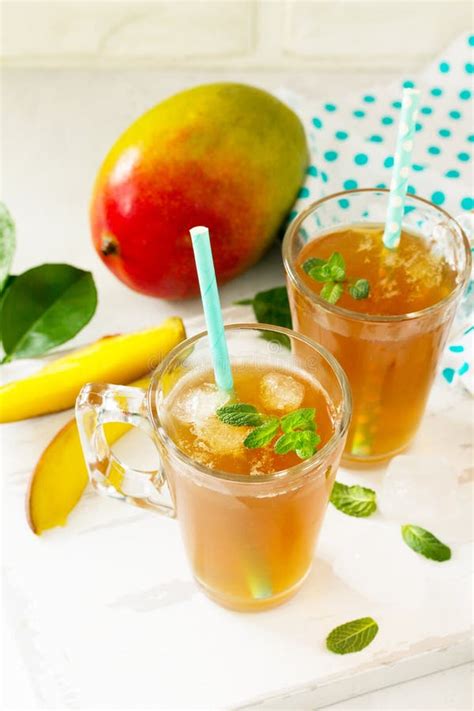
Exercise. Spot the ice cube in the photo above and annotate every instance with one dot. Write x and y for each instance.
(281, 392)
(424, 490)
(220, 438)
(199, 403)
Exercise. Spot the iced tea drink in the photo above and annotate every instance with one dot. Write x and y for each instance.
(388, 336)
(250, 495)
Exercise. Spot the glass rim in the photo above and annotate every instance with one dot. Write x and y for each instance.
(297, 281)
(296, 470)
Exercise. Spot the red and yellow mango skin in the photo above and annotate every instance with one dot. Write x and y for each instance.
(228, 156)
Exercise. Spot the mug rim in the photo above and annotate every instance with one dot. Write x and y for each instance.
(289, 473)
(299, 284)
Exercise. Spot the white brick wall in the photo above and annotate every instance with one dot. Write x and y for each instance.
(264, 34)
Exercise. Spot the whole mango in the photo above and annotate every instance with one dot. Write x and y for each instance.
(228, 156)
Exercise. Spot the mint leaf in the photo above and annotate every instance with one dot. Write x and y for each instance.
(303, 443)
(320, 272)
(353, 500)
(424, 543)
(360, 289)
(311, 263)
(332, 292)
(352, 636)
(7, 244)
(302, 419)
(239, 414)
(337, 267)
(263, 434)
(44, 307)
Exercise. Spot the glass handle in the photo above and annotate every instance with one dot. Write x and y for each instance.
(99, 404)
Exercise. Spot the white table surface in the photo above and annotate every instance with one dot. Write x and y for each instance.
(56, 127)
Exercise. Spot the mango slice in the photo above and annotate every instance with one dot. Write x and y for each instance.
(113, 359)
(61, 475)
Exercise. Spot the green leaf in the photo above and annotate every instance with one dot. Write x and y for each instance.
(337, 267)
(303, 443)
(320, 273)
(310, 264)
(263, 434)
(272, 307)
(10, 279)
(239, 414)
(7, 244)
(332, 292)
(360, 289)
(352, 636)
(45, 307)
(353, 500)
(423, 542)
(302, 419)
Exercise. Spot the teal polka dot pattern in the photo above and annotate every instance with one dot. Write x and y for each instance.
(361, 159)
(408, 84)
(438, 197)
(352, 140)
(350, 184)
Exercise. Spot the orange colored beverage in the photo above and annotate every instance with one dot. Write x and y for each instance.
(254, 550)
(388, 341)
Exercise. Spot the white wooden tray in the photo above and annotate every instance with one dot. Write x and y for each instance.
(106, 615)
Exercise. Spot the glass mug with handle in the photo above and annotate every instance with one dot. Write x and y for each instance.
(249, 537)
(389, 343)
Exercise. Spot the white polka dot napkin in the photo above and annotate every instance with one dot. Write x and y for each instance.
(352, 141)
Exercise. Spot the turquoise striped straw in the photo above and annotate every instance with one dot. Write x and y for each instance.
(401, 168)
(212, 307)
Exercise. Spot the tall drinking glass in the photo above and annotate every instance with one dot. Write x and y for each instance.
(390, 360)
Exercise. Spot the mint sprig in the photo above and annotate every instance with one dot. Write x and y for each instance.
(332, 273)
(357, 501)
(297, 429)
(425, 543)
(352, 636)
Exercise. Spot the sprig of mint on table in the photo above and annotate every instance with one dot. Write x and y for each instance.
(332, 273)
(43, 307)
(297, 429)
